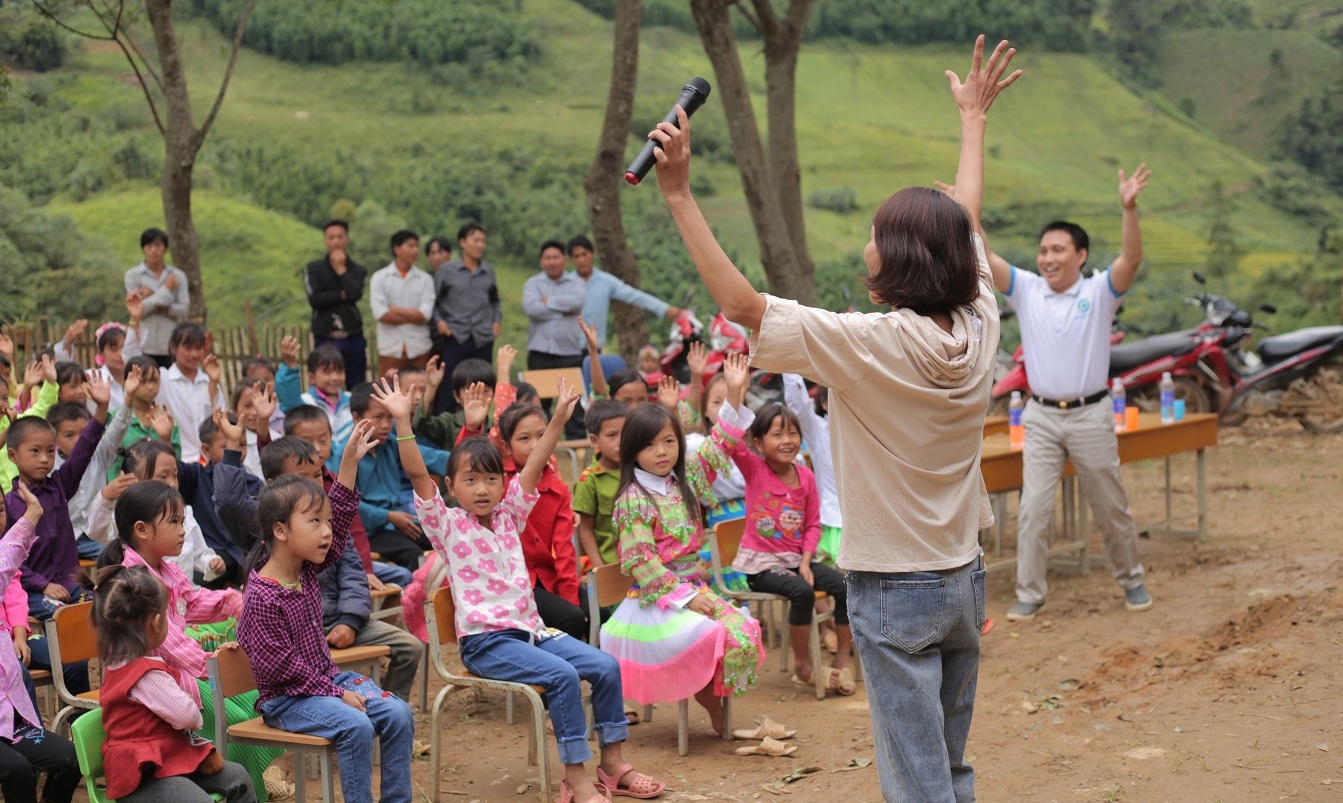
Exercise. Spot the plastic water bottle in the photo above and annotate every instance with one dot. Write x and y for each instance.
(1016, 431)
(1167, 398)
(1119, 398)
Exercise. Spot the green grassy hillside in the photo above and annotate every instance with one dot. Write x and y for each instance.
(1244, 84)
(873, 119)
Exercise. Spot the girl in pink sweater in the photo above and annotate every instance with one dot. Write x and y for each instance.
(783, 528)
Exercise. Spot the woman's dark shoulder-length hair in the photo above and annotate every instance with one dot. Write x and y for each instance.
(926, 253)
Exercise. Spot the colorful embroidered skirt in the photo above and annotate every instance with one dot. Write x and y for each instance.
(669, 655)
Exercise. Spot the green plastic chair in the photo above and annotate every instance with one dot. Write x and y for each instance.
(88, 735)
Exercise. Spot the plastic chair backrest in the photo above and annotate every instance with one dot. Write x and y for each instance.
(75, 634)
(547, 380)
(728, 534)
(88, 736)
(445, 613)
(606, 586)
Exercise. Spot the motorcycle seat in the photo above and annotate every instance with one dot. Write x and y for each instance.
(1280, 347)
(1127, 356)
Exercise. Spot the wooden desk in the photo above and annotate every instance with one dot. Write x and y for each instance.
(1151, 440)
(995, 425)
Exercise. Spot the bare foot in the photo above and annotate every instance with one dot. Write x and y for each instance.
(714, 705)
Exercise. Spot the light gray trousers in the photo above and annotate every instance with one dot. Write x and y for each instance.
(1085, 434)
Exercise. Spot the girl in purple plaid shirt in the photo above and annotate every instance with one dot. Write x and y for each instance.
(303, 533)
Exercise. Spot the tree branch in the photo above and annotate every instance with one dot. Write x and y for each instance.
(796, 17)
(51, 15)
(223, 86)
(760, 21)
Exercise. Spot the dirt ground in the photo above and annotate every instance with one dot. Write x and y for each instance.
(1229, 689)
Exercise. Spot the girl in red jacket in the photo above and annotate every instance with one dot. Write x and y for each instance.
(150, 755)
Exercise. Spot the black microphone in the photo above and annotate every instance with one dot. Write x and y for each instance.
(692, 97)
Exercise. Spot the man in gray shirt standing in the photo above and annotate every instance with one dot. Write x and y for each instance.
(553, 300)
(164, 291)
(467, 312)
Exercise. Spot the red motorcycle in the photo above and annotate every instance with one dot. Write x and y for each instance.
(1297, 375)
(723, 336)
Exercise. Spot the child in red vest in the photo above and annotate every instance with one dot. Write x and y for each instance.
(150, 754)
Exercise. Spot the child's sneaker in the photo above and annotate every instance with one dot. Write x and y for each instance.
(1137, 599)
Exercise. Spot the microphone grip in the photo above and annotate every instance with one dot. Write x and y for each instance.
(644, 162)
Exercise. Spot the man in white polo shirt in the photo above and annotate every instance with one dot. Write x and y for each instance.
(1065, 331)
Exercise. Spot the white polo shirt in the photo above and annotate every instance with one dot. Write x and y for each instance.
(415, 290)
(1065, 336)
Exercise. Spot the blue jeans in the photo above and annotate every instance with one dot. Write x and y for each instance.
(88, 548)
(918, 636)
(387, 716)
(556, 662)
(391, 573)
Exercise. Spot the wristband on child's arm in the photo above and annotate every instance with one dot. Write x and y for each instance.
(400, 438)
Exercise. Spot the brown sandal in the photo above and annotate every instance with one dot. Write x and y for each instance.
(841, 680)
(768, 747)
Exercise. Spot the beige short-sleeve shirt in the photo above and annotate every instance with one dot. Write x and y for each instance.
(907, 406)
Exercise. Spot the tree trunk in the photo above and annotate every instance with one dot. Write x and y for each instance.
(777, 250)
(783, 42)
(179, 153)
(605, 176)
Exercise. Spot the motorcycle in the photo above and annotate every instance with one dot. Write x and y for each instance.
(722, 336)
(1296, 375)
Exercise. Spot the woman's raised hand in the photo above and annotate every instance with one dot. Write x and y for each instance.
(982, 84)
(673, 155)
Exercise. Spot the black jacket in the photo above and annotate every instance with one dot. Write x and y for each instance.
(332, 314)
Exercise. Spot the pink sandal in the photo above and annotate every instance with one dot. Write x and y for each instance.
(641, 786)
(567, 795)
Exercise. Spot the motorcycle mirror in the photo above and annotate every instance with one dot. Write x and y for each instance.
(1267, 308)
(1198, 277)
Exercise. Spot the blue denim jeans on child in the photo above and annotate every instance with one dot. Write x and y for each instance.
(556, 662)
(918, 636)
(386, 716)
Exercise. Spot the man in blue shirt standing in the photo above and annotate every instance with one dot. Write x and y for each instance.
(602, 287)
(552, 300)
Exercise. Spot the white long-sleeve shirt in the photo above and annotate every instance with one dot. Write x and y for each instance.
(816, 434)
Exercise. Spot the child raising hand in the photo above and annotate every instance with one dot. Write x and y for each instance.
(303, 533)
(500, 633)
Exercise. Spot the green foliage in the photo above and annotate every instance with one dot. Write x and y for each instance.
(63, 150)
(50, 268)
(246, 253)
(1314, 139)
(1288, 187)
(1224, 248)
(835, 199)
(29, 42)
(1256, 90)
(1136, 27)
(1059, 25)
(473, 39)
(1307, 293)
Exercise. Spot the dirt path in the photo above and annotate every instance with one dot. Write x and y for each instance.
(1230, 689)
